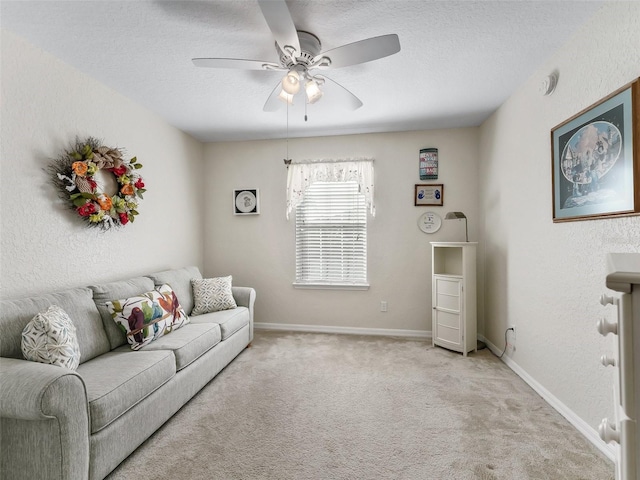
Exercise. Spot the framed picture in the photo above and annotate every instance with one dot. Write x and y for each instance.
(428, 167)
(429, 195)
(246, 202)
(595, 159)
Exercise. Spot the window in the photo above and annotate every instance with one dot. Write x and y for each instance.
(331, 236)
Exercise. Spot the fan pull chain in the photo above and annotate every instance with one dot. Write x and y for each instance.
(287, 159)
(305, 109)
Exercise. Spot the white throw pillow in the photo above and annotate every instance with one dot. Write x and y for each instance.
(50, 337)
(212, 295)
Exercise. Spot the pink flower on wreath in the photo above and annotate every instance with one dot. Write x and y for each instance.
(87, 209)
(119, 171)
(124, 218)
(139, 183)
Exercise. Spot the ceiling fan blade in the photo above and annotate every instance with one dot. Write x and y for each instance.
(235, 63)
(273, 103)
(363, 51)
(339, 95)
(278, 17)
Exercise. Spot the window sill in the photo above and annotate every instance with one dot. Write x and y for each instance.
(332, 286)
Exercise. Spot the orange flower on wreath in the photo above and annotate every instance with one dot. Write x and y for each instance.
(79, 168)
(105, 202)
(127, 189)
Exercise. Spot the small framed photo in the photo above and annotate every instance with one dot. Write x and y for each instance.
(595, 159)
(429, 195)
(246, 202)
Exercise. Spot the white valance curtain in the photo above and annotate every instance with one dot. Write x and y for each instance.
(304, 173)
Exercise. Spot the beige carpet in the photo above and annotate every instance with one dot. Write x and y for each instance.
(316, 406)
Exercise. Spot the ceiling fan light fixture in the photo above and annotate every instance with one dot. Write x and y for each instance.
(286, 97)
(313, 91)
(291, 83)
(300, 52)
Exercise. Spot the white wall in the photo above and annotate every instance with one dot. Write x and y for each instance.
(542, 277)
(260, 250)
(44, 247)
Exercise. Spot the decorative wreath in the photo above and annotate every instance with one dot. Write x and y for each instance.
(74, 175)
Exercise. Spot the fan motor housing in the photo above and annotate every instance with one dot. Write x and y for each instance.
(309, 48)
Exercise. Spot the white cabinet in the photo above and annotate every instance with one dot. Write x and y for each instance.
(624, 430)
(453, 294)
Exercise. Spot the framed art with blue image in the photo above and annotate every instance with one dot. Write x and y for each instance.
(429, 195)
(596, 159)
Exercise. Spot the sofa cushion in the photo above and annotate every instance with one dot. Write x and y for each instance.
(78, 303)
(146, 317)
(212, 295)
(110, 291)
(50, 337)
(188, 343)
(118, 380)
(230, 321)
(180, 281)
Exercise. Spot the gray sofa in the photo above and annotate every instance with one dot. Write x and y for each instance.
(62, 424)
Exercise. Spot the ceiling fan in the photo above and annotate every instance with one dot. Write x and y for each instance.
(300, 54)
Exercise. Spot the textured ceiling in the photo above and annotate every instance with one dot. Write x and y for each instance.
(459, 60)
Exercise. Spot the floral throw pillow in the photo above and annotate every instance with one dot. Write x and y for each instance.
(148, 316)
(50, 337)
(212, 295)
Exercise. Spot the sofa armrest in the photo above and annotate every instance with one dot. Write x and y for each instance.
(27, 388)
(245, 297)
(45, 413)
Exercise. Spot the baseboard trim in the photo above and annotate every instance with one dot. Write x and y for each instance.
(583, 427)
(386, 332)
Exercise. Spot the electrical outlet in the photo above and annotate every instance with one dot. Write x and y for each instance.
(511, 338)
(383, 306)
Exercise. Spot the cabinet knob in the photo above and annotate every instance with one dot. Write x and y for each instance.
(606, 300)
(608, 432)
(605, 327)
(606, 360)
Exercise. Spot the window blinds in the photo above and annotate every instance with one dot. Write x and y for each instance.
(331, 235)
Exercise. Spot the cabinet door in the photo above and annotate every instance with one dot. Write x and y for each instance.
(447, 328)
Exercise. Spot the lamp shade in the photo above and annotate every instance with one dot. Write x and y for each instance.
(291, 83)
(286, 97)
(456, 215)
(313, 91)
